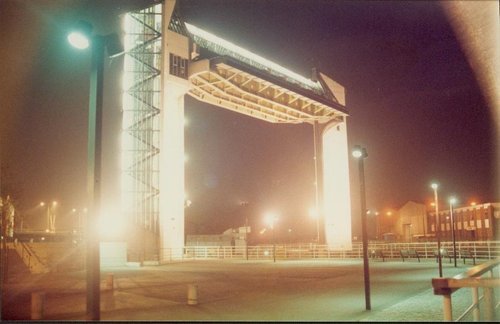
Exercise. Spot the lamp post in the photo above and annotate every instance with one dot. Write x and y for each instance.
(313, 212)
(271, 220)
(360, 154)
(434, 187)
(82, 38)
(453, 201)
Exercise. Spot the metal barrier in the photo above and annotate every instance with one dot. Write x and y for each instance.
(480, 250)
(473, 279)
(30, 258)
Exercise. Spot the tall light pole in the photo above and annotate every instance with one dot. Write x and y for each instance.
(360, 154)
(82, 38)
(314, 213)
(271, 219)
(434, 187)
(453, 201)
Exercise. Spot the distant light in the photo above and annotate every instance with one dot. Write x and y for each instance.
(389, 213)
(266, 253)
(270, 218)
(42, 204)
(54, 203)
(434, 186)
(453, 200)
(78, 40)
(313, 212)
(74, 210)
(473, 203)
(359, 152)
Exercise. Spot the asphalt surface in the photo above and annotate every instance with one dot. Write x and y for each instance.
(306, 290)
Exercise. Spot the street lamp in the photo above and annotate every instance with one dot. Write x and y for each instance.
(81, 37)
(270, 220)
(51, 216)
(434, 187)
(453, 201)
(360, 154)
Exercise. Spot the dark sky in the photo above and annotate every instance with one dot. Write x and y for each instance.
(412, 98)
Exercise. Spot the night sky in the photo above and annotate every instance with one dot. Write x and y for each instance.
(412, 98)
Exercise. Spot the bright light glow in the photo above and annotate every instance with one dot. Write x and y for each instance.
(78, 40)
(389, 213)
(313, 213)
(262, 231)
(110, 223)
(54, 203)
(42, 204)
(336, 188)
(254, 57)
(453, 200)
(473, 203)
(357, 153)
(434, 186)
(73, 210)
(266, 253)
(270, 218)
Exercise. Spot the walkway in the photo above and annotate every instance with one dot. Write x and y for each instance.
(306, 290)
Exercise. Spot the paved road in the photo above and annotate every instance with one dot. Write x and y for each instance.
(315, 290)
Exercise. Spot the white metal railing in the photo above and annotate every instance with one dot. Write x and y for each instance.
(474, 279)
(30, 258)
(481, 250)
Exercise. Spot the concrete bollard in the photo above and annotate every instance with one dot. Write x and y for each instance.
(109, 281)
(37, 305)
(192, 294)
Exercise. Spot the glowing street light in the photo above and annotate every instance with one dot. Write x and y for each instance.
(270, 219)
(452, 202)
(360, 154)
(434, 187)
(81, 37)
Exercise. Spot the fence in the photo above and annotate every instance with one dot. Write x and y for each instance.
(481, 250)
(473, 278)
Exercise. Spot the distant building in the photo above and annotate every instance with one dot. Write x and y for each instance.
(411, 222)
(415, 222)
(472, 223)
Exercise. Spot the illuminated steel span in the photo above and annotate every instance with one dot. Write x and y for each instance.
(167, 58)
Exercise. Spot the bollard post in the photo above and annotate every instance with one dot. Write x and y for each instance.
(192, 294)
(37, 305)
(109, 281)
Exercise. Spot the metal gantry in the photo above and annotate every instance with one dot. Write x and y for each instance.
(141, 117)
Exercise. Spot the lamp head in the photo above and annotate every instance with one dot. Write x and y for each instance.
(359, 152)
(80, 36)
(434, 185)
(453, 200)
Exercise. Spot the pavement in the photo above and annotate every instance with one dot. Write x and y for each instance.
(303, 290)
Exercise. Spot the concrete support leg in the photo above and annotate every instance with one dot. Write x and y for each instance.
(172, 193)
(336, 198)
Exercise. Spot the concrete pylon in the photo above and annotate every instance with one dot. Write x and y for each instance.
(175, 85)
(333, 183)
